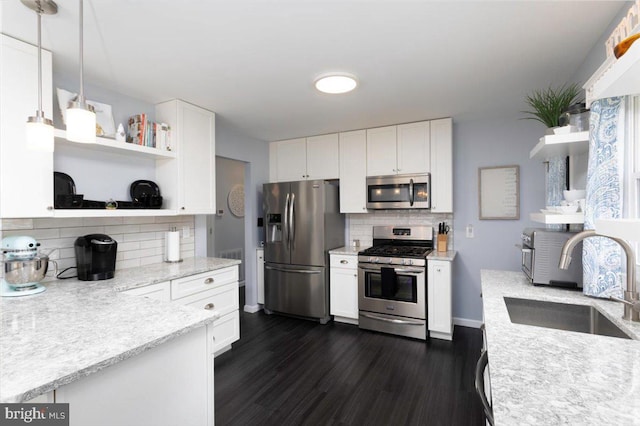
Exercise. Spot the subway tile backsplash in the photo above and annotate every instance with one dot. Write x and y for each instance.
(361, 225)
(140, 239)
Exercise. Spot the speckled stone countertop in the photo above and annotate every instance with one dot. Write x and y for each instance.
(546, 376)
(448, 255)
(348, 250)
(76, 328)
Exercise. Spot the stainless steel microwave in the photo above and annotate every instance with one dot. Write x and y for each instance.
(399, 192)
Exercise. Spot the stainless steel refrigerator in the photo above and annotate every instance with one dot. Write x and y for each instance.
(303, 222)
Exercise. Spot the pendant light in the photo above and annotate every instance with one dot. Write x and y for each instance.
(39, 129)
(81, 117)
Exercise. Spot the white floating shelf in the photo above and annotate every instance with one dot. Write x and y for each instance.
(113, 146)
(557, 218)
(112, 213)
(616, 77)
(626, 229)
(561, 145)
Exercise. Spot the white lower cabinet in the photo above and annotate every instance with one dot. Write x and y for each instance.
(344, 288)
(439, 299)
(215, 290)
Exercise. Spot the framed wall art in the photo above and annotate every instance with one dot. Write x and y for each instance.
(499, 193)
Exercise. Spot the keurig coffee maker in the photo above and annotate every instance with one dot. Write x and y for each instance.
(95, 257)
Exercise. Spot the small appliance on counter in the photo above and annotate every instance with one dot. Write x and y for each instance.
(541, 255)
(95, 257)
(23, 267)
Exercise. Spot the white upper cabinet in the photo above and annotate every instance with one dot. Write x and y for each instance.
(402, 149)
(26, 177)
(323, 157)
(381, 151)
(353, 172)
(442, 166)
(413, 148)
(309, 158)
(188, 184)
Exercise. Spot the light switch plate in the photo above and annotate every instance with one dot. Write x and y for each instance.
(469, 231)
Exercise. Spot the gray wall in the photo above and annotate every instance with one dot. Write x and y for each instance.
(483, 143)
(232, 143)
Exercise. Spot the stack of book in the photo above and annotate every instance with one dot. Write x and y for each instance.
(148, 133)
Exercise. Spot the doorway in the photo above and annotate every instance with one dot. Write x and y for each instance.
(228, 225)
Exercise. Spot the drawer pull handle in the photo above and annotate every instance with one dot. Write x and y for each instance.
(209, 306)
(208, 281)
(344, 262)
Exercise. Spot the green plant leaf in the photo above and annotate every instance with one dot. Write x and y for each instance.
(548, 105)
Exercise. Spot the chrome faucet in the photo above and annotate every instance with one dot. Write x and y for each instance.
(631, 300)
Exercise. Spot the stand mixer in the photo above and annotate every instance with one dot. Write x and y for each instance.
(23, 267)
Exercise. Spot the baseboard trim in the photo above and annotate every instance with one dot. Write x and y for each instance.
(467, 322)
(252, 309)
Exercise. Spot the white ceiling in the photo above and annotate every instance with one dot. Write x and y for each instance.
(254, 61)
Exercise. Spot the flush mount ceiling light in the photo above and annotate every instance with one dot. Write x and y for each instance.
(39, 128)
(336, 83)
(81, 117)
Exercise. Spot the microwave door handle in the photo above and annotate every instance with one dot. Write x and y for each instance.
(411, 195)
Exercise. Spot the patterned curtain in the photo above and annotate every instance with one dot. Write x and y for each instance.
(602, 259)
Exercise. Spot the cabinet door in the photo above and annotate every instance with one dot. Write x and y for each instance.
(344, 293)
(353, 172)
(439, 299)
(260, 274)
(381, 151)
(442, 166)
(291, 163)
(197, 159)
(322, 157)
(26, 177)
(414, 148)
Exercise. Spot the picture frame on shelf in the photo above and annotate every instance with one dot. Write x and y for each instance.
(105, 124)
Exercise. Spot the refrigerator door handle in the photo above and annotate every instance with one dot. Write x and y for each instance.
(285, 229)
(295, 271)
(292, 225)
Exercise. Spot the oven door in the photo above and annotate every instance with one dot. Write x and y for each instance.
(392, 289)
(399, 192)
(527, 261)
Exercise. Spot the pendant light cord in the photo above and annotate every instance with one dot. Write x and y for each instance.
(81, 95)
(39, 12)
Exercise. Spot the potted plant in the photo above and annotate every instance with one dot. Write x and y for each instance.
(549, 104)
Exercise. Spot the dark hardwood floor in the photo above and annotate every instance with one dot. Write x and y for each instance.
(287, 371)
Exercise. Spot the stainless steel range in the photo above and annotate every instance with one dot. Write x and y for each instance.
(392, 281)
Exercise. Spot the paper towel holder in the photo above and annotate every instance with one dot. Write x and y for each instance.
(172, 230)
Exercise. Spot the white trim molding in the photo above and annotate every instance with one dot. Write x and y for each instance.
(252, 309)
(467, 322)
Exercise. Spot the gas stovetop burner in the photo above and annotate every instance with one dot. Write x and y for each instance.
(397, 251)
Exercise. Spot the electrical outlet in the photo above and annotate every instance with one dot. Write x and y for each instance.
(469, 231)
(186, 232)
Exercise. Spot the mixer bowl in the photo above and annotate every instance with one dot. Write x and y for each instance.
(25, 272)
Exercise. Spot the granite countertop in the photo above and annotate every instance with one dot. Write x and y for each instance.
(448, 255)
(545, 376)
(348, 250)
(76, 328)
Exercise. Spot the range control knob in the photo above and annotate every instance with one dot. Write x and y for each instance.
(407, 262)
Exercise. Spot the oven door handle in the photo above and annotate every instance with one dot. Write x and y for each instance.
(394, 321)
(398, 270)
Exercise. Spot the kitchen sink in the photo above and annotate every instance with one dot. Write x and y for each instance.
(562, 316)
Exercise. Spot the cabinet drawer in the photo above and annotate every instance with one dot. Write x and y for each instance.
(224, 299)
(201, 282)
(343, 261)
(225, 331)
(159, 291)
